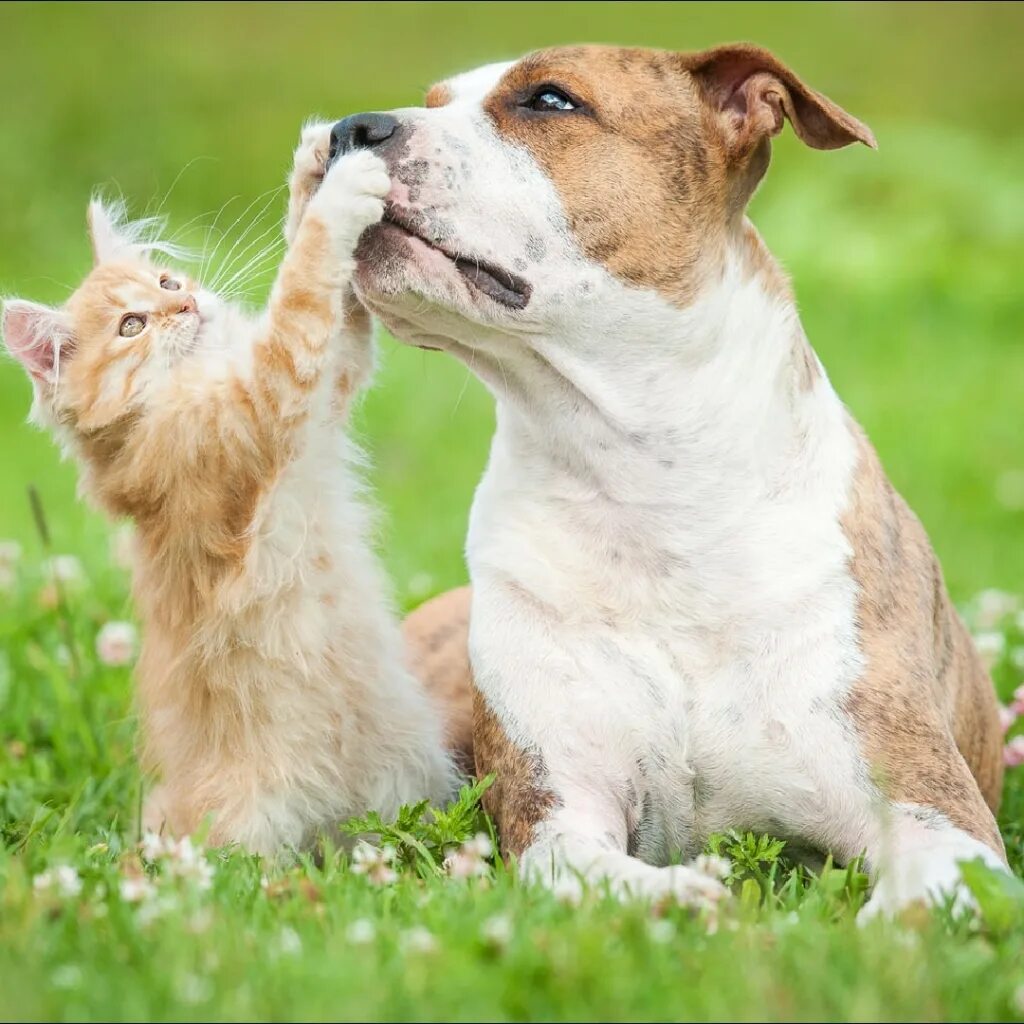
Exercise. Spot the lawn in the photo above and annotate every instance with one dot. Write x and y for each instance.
(907, 266)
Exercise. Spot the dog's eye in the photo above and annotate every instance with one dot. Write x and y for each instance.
(548, 100)
(169, 284)
(131, 325)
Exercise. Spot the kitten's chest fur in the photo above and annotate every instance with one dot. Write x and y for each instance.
(290, 683)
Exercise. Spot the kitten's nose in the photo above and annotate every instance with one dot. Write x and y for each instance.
(360, 131)
(188, 305)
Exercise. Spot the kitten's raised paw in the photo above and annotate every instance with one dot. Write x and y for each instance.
(308, 168)
(352, 195)
(310, 159)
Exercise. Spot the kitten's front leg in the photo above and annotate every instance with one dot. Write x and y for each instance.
(309, 166)
(307, 302)
(355, 331)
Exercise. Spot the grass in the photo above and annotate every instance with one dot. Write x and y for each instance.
(906, 263)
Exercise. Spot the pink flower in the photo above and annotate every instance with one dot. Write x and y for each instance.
(1017, 704)
(1013, 752)
(116, 642)
(375, 863)
(1008, 715)
(470, 860)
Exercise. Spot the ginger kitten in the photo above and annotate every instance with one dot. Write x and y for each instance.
(272, 689)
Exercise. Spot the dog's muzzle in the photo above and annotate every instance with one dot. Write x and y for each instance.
(360, 131)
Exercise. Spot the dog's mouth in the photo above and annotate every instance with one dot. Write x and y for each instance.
(497, 283)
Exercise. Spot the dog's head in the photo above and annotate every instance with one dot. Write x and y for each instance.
(524, 195)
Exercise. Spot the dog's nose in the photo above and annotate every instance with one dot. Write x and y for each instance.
(360, 131)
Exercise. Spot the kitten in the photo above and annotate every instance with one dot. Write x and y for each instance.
(273, 696)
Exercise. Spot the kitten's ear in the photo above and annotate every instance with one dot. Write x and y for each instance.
(36, 336)
(105, 231)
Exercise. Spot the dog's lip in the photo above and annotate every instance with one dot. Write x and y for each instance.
(495, 282)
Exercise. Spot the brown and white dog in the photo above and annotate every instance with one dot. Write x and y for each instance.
(697, 603)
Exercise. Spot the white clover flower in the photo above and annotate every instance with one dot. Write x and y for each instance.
(122, 547)
(497, 931)
(713, 866)
(183, 850)
(460, 864)
(375, 863)
(65, 569)
(116, 643)
(480, 845)
(199, 922)
(418, 940)
(470, 860)
(990, 645)
(63, 879)
(188, 862)
(10, 553)
(137, 889)
(153, 909)
(66, 976)
(194, 989)
(288, 942)
(992, 606)
(661, 931)
(154, 846)
(361, 932)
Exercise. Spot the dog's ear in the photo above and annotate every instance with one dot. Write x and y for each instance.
(753, 92)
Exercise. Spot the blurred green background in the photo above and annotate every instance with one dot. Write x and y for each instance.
(907, 262)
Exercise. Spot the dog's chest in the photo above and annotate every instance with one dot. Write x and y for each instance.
(711, 732)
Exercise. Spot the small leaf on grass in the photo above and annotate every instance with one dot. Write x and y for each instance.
(422, 835)
(750, 894)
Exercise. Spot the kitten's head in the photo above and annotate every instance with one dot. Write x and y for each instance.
(95, 361)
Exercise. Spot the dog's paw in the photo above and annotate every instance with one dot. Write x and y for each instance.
(351, 197)
(920, 884)
(690, 887)
(894, 898)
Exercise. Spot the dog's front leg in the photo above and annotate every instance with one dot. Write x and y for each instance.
(563, 738)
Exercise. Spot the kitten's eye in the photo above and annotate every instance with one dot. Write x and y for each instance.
(131, 325)
(550, 100)
(169, 284)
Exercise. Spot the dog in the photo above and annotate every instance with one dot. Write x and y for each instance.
(698, 603)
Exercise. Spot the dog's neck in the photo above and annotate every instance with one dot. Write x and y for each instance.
(662, 405)
(697, 457)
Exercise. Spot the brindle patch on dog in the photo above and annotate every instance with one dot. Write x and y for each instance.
(519, 798)
(925, 708)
